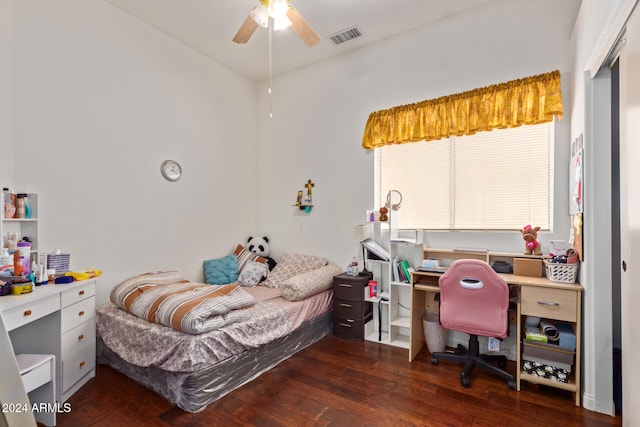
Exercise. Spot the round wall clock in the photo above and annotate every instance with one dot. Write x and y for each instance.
(171, 170)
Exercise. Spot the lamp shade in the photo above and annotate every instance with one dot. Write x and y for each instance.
(260, 14)
(278, 8)
(361, 232)
(281, 23)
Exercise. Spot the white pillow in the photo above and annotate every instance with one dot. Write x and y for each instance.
(291, 265)
(252, 273)
(310, 283)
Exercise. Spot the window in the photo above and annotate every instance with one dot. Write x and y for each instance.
(497, 180)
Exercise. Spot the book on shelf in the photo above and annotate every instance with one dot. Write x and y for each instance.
(374, 248)
(394, 269)
(533, 333)
(405, 266)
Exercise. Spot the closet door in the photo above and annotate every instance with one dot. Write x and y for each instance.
(630, 217)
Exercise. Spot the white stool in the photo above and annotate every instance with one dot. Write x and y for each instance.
(38, 372)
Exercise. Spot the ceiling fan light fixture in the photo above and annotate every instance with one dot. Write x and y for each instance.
(278, 9)
(281, 23)
(260, 14)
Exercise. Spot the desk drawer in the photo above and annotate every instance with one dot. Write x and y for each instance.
(72, 296)
(78, 313)
(78, 365)
(30, 311)
(76, 338)
(552, 303)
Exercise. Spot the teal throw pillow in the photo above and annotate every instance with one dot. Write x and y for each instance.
(221, 271)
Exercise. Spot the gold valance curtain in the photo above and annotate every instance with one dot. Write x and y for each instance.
(527, 101)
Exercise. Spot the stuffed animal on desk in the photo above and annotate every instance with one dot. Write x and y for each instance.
(530, 236)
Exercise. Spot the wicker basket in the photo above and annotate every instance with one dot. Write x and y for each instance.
(561, 273)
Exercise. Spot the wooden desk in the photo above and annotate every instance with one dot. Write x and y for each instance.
(57, 320)
(537, 296)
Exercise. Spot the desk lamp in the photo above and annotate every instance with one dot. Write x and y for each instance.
(362, 233)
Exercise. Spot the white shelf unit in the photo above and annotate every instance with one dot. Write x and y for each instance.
(23, 226)
(392, 319)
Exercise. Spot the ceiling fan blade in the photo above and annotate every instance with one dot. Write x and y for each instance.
(246, 30)
(304, 30)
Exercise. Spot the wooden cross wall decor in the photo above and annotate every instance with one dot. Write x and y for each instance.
(309, 185)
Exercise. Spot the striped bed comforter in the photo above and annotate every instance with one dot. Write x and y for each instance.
(168, 299)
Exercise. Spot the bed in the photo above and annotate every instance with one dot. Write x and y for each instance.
(289, 311)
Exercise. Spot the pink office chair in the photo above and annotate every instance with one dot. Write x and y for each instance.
(474, 299)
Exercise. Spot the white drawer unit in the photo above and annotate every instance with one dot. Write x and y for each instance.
(78, 348)
(57, 320)
(72, 296)
(78, 313)
(78, 366)
(78, 337)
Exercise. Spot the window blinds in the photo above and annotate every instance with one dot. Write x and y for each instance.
(497, 180)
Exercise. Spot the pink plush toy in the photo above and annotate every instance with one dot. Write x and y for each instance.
(530, 236)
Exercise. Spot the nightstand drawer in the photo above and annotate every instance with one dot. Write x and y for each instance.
(30, 311)
(551, 303)
(345, 309)
(348, 329)
(350, 289)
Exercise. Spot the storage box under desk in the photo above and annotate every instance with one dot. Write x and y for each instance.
(531, 267)
(553, 354)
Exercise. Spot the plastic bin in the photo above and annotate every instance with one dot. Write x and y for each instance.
(434, 334)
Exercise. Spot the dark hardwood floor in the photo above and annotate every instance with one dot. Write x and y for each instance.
(340, 383)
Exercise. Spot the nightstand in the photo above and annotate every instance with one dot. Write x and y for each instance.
(350, 310)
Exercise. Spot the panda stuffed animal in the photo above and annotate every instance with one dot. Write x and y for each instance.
(260, 246)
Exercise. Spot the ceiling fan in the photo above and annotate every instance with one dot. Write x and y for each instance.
(282, 15)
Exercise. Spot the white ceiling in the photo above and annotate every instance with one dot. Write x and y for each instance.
(209, 25)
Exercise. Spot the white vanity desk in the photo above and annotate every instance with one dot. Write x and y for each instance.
(58, 320)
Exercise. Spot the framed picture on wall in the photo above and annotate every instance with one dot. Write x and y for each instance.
(576, 176)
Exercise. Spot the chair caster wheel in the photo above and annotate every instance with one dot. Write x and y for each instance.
(434, 361)
(512, 385)
(464, 381)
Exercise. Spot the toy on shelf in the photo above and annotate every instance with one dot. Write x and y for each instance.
(530, 236)
(384, 214)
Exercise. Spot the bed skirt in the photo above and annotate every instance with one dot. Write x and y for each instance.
(193, 391)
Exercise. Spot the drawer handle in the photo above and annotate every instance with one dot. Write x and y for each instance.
(345, 285)
(82, 363)
(346, 325)
(27, 313)
(81, 293)
(80, 337)
(345, 305)
(548, 303)
(81, 313)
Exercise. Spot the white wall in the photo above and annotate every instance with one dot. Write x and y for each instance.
(597, 26)
(320, 112)
(101, 99)
(6, 116)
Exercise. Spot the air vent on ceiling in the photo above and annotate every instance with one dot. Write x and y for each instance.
(346, 35)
